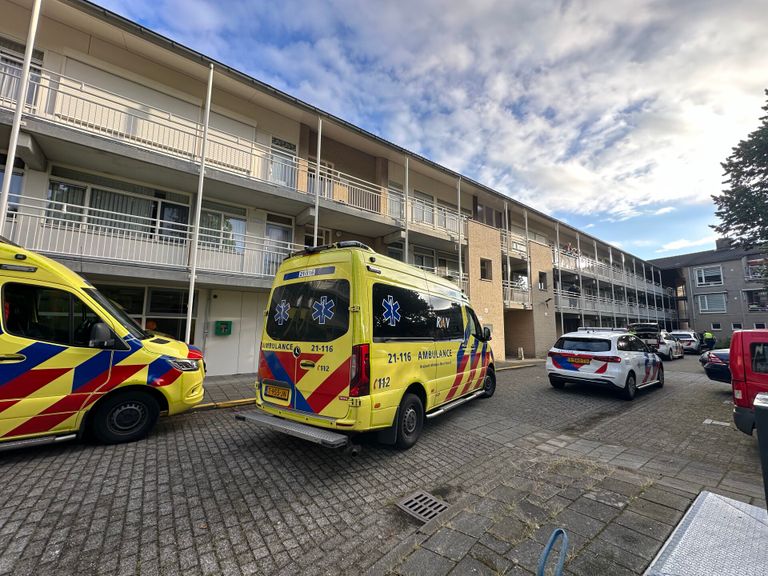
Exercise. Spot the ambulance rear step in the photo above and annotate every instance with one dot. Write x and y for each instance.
(327, 438)
(454, 404)
(35, 442)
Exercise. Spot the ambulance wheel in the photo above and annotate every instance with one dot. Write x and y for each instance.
(630, 387)
(124, 417)
(661, 376)
(489, 384)
(410, 421)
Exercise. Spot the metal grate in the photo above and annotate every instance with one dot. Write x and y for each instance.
(422, 506)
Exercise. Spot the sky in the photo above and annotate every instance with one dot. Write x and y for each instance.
(611, 115)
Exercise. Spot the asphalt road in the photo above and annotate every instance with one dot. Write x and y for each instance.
(206, 494)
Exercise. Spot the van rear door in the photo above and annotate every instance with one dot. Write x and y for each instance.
(307, 345)
(756, 365)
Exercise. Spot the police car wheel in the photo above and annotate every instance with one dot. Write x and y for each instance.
(124, 417)
(661, 376)
(630, 387)
(489, 384)
(410, 421)
(556, 383)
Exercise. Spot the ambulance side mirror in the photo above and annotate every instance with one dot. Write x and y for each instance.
(486, 334)
(101, 336)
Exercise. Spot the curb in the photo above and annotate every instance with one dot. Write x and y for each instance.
(227, 404)
(502, 368)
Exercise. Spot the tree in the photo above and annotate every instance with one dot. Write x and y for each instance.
(743, 206)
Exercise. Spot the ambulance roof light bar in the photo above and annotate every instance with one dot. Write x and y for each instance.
(316, 249)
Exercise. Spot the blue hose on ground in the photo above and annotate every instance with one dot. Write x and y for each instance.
(548, 550)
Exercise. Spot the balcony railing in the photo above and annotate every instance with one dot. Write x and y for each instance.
(566, 301)
(67, 101)
(64, 230)
(515, 293)
(514, 244)
(447, 273)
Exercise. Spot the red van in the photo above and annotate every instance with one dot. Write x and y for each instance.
(749, 374)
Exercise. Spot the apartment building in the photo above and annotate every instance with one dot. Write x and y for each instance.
(106, 179)
(720, 290)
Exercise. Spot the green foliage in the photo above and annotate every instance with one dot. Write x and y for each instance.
(743, 206)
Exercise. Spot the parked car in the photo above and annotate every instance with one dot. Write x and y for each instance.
(689, 339)
(670, 348)
(749, 374)
(616, 360)
(716, 364)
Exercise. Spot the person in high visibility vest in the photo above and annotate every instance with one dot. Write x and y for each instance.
(709, 339)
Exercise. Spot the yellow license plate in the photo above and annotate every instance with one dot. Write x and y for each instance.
(276, 392)
(576, 360)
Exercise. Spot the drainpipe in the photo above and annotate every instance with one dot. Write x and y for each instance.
(613, 291)
(559, 275)
(461, 228)
(656, 308)
(20, 103)
(528, 258)
(581, 282)
(597, 279)
(624, 288)
(509, 270)
(198, 208)
(317, 179)
(647, 313)
(406, 254)
(637, 298)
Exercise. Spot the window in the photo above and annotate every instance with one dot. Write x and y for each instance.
(486, 269)
(47, 314)
(17, 178)
(395, 200)
(709, 276)
(542, 280)
(716, 326)
(583, 344)
(395, 251)
(323, 236)
(314, 311)
(489, 216)
(423, 259)
(736, 326)
(757, 300)
(755, 268)
(222, 227)
(759, 325)
(282, 167)
(449, 323)
(401, 314)
(423, 208)
(11, 59)
(279, 232)
(711, 302)
(758, 353)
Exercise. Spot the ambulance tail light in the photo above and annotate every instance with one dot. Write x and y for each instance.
(360, 371)
(262, 366)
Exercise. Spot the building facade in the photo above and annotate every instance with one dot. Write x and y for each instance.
(719, 290)
(106, 180)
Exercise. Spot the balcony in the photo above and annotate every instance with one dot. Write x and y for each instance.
(516, 294)
(572, 261)
(57, 229)
(68, 102)
(449, 274)
(514, 245)
(590, 304)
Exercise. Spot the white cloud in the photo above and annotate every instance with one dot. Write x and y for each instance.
(604, 107)
(685, 243)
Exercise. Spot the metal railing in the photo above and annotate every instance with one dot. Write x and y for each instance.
(59, 229)
(571, 302)
(514, 244)
(515, 292)
(67, 101)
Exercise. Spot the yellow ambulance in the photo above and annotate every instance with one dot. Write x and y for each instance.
(72, 362)
(355, 341)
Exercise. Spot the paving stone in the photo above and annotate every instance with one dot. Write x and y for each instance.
(509, 529)
(631, 541)
(449, 543)
(667, 498)
(656, 511)
(469, 565)
(496, 562)
(588, 564)
(424, 562)
(594, 509)
(644, 525)
(582, 524)
(608, 551)
(472, 524)
(490, 541)
(607, 497)
(526, 554)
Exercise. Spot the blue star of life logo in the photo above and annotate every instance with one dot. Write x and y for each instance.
(281, 312)
(391, 310)
(323, 310)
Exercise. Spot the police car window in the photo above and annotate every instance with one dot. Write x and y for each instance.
(41, 313)
(313, 311)
(401, 314)
(623, 344)
(448, 319)
(583, 344)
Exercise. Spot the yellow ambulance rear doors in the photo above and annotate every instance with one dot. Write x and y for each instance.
(306, 349)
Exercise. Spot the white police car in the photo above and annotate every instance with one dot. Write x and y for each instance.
(610, 358)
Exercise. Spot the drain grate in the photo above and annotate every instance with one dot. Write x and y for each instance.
(422, 505)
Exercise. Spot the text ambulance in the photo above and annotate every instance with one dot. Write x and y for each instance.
(355, 341)
(71, 361)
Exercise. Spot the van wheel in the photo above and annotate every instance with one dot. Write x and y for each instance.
(410, 421)
(661, 377)
(630, 387)
(489, 384)
(124, 417)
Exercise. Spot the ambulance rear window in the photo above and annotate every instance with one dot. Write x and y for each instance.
(313, 311)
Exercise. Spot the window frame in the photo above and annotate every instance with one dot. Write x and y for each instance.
(708, 310)
(702, 281)
(489, 265)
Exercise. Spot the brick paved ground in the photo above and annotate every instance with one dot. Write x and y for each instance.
(206, 494)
